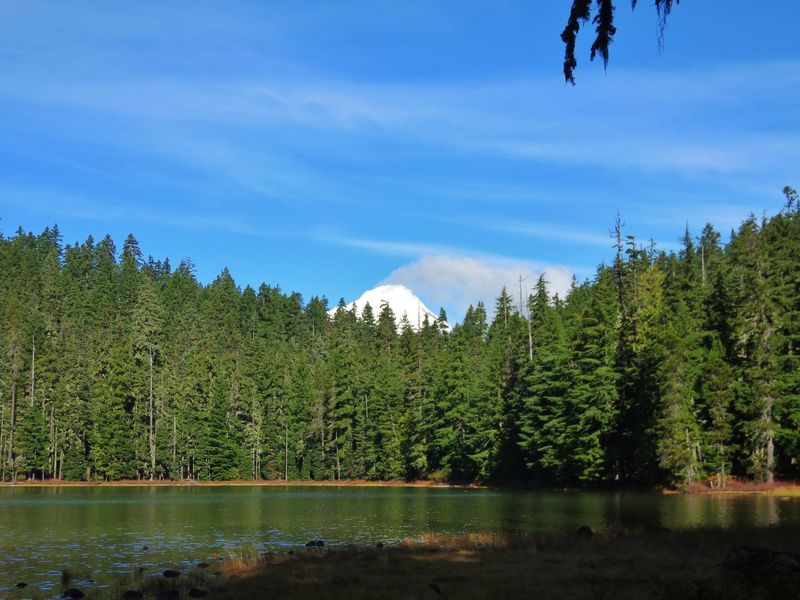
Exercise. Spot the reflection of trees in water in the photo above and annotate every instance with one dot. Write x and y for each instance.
(766, 510)
(50, 529)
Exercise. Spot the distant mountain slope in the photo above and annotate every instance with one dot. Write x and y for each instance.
(400, 299)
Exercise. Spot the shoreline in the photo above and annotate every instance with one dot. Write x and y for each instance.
(236, 483)
(735, 488)
(785, 489)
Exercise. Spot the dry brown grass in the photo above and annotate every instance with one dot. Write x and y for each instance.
(735, 485)
(614, 565)
(234, 482)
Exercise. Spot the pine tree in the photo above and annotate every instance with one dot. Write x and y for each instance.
(718, 395)
(147, 324)
(756, 342)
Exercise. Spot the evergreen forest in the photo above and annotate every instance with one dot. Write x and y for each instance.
(665, 367)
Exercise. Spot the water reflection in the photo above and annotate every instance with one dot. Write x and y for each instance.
(97, 531)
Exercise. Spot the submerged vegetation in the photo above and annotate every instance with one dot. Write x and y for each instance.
(665, 367)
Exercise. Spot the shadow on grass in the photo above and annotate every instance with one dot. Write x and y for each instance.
(709, 564)
(703, 563)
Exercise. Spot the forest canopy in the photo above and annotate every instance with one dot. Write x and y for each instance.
(664, 367)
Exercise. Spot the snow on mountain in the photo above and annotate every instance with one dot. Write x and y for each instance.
(401, 300)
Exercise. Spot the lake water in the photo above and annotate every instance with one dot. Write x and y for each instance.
(99, 531)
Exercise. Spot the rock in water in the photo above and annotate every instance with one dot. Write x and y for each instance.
(315, 544)
(585, 531)
(73, 593)
(21, 585)
(132, 595)
(171, 573)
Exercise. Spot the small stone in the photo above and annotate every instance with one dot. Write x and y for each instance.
(168, 595)
(315, 544)
(21, 585)
(379, 545)
(585, 531)
(132, 595)
(145, 547)
(171, 573)
(73, 593)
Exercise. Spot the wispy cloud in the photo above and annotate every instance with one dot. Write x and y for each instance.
(455, 281)
(384, 247)
(56, 204)
(521, 119)
(542, 230)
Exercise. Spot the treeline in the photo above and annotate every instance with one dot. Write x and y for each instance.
(665, 367)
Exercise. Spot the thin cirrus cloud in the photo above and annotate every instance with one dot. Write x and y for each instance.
(491, 118)
(56, 204)
(542, 230)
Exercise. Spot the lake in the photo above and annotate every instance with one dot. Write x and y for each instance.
(101, 531)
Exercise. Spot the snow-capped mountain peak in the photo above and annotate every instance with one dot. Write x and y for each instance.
(401, 300)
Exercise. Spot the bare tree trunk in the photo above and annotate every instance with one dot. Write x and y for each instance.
(53, 449)
(285, 450)
(322, 444)
(768, 472)
(2, 440)
(152, 423)
(175, 445)
(338, 464)
(33, 369)
(13, 422)
(703, 261)
(530, 332)
(770, 456)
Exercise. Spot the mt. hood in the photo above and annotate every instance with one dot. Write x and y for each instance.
(401, 300)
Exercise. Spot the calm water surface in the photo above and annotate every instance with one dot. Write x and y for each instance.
(98, 532)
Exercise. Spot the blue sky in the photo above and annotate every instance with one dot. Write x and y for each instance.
(331, 146)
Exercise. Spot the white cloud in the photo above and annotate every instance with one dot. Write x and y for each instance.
(455, 282)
